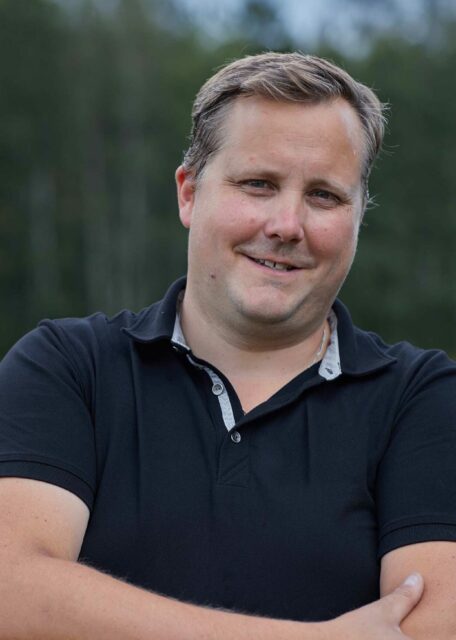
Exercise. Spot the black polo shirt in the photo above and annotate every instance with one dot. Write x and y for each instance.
(289, 517)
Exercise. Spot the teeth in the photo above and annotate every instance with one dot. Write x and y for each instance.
(279, 266)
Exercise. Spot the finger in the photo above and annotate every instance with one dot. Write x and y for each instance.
(403, 599)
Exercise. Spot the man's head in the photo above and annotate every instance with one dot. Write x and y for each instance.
(283, 77)
(272, 191)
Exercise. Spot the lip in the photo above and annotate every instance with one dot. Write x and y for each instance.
(269, 271)
(273, 259)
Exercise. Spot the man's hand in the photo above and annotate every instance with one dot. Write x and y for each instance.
(379, 620)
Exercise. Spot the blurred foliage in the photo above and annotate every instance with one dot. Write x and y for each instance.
(94, 117)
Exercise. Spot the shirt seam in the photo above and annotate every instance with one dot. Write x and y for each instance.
(42, 460)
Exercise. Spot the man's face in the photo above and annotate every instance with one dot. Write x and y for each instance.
(274, 216)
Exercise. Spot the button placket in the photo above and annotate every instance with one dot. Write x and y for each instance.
(218, 389)
(234, 465)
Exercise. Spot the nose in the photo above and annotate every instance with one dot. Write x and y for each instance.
(286, 220)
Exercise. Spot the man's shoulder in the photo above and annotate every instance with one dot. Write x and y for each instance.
(111, 331)
(98, 326)
(405, 352)
(81, 346)
(92, 344)
(362, 350)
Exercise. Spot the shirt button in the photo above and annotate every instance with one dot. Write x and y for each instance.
(236, 437)
(217, 388)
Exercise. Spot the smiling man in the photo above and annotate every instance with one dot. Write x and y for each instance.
(281, 202)
(237, 460)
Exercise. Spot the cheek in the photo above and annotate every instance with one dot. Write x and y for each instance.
(236, 221)
(240, 211)
(221, 225)
(334, 239)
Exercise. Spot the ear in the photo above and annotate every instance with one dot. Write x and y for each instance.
(185, 182)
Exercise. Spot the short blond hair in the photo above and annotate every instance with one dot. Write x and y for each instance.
(286, 77)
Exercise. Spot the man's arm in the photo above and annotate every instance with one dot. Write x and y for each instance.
(46, 594)
(435, 616)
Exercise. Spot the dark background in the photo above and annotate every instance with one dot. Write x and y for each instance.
(95, 102)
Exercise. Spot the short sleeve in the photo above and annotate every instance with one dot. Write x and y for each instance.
(46, 430)
(416, 481)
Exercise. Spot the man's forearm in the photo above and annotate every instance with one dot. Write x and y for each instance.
(53, 599)
(45, 598)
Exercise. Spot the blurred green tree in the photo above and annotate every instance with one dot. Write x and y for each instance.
(94, 117)
(406, 267)
(31, 133)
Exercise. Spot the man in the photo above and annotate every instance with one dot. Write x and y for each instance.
(240, 445)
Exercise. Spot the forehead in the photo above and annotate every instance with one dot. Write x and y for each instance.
(257, 128)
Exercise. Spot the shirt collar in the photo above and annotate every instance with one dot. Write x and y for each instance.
(157, 321)
(178, 337)
(330, 363)
(351, 351)
(361, 352)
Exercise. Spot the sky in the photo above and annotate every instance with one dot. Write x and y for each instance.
(337, 20)
(344, 23)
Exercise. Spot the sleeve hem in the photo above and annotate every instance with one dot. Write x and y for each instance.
(414, 534)
(48, 473)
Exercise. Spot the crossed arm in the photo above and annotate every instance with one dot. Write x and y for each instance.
(435, 616)
(45, 593)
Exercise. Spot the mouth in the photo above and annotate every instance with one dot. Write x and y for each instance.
(275, 266)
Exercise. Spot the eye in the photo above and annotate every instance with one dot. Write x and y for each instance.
(257, 187)
(257, 183)
(323, 194)
(324, 197)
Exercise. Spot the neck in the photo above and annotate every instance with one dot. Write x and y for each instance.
(256, 351)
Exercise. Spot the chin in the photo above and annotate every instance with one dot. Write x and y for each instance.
(265, 313)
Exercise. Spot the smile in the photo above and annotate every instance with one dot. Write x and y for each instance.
(277, 266)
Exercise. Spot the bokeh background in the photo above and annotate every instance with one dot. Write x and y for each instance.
(95, 102)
